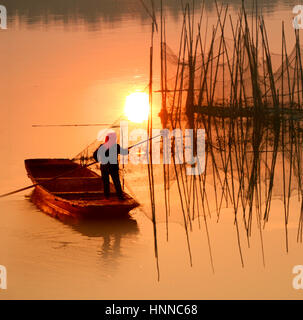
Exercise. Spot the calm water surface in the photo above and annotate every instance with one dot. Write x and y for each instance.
(65, 62)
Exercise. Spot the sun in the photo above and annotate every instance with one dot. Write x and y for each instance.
(137, 106)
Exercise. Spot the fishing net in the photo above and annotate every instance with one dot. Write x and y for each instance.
(231, 75)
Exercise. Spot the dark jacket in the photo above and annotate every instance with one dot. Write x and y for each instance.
(109, 157)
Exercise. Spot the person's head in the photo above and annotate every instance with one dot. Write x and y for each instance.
(111, 138)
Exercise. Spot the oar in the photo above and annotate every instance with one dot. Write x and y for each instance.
(65, 173)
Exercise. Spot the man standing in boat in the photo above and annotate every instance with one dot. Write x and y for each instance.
(107, 156)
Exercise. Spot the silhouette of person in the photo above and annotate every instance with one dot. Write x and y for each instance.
(107, 156)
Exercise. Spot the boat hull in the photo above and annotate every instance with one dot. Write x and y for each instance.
(74, 197)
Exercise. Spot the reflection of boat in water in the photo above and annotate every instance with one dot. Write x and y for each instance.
(76, 193)
(105, 228)
(111, 231)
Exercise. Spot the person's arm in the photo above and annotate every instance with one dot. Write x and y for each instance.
(121, 150)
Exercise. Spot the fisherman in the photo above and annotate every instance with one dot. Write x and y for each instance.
(107, 155)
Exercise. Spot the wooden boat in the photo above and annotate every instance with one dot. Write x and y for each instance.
(77, 193)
